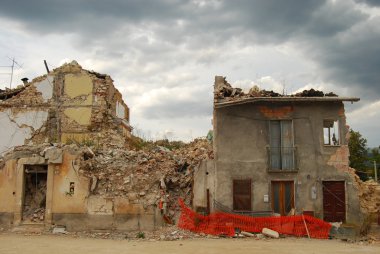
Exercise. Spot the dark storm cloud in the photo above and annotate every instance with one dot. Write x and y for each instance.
(341, 39)
(369, 2)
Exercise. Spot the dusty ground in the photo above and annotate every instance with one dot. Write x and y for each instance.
(16, 243)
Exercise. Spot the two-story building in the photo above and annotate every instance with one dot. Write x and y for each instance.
(285, 154)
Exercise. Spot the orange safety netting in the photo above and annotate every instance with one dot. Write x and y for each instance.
(219, 223)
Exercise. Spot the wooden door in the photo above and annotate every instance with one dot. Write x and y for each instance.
(282, 196)
(242, 195)
(334, 201)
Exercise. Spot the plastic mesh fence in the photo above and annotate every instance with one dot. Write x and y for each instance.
(219, 223)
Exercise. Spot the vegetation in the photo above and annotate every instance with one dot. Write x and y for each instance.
(358, 150)
(362, 158)
(140, 235)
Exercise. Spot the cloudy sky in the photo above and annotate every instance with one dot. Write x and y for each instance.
(163, 54)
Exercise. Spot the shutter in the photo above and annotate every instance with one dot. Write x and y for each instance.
(275, 144)
(242, 195)
(287, 155)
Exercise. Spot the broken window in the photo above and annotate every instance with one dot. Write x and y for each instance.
(242, 195)
(331, 132)
(281, 145)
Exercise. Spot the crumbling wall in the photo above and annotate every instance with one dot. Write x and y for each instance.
(20, 125)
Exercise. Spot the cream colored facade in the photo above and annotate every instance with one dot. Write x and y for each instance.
(69, 105)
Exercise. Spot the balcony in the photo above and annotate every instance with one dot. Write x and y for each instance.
(282, 159)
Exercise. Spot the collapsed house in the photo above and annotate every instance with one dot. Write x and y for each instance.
(278, 154)
(68, 158)
(43, 122)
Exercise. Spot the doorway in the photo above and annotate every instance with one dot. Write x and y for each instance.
(282, 197)
(35, 188)
(334, 201)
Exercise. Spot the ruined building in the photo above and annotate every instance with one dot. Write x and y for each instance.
(67, 159)
(42, 123)
(279, 154)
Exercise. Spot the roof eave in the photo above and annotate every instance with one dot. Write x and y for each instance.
(284, 99)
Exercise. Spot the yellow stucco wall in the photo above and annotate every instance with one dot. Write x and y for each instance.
(62, 201)
(78, 85)
(80, 115)
(7, 186)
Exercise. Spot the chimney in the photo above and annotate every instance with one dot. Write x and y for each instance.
(24, 80)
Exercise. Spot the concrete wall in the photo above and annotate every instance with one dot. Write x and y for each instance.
(204, 179)
(241, 139)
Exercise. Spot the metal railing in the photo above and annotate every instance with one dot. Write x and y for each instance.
(282, 159)
(225, 209)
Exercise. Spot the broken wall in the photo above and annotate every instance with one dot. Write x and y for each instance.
(68, 105)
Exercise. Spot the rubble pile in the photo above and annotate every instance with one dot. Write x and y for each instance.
(224, 90)
(35, 198)
(369, 195)
(154, 176)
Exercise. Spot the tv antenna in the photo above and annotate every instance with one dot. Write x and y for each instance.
(12, 67)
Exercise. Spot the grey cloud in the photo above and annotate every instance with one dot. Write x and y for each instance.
(369, 2)
(181, 30)
(171, 109)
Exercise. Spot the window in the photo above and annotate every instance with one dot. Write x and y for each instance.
(242, 195)
(331, 133)
(281, 145)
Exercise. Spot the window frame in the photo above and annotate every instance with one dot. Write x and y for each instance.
(292, 147)
(330, 137)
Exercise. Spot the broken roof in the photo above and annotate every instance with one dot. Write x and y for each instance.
(225, 95)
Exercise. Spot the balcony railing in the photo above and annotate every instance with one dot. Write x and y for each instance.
(282, 159)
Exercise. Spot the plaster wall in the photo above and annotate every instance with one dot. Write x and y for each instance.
(241, 140)
(7, 187)
(80, 115)
(64, 174)
(78, 86)
(120, 110)
(18, 126)
(45, 87)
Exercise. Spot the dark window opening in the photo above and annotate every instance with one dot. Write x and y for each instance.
(35, 193)
(331, 132)
(242, 195)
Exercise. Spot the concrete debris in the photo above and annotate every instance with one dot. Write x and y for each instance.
(224, 90)
(154, 176)
(247, 234)
(59, 230)
(270, 233)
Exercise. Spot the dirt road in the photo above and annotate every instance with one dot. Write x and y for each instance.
(12, 243)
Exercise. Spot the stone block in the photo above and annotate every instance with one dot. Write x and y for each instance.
(270, 233)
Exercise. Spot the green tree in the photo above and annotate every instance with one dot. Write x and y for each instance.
(358, 150)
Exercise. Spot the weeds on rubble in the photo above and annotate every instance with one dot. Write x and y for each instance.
(138, 143)
(140, 235)
(83, 142)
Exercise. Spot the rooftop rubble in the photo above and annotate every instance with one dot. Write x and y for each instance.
(9, 93)
(224, 90)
